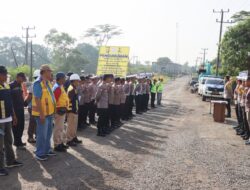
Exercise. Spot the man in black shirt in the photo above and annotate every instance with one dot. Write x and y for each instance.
(18, 104)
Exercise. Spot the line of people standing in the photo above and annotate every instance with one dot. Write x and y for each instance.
(58, 108)
(242, 107)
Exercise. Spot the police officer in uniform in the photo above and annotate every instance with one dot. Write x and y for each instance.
(147, 92)
(102, 100)
(132, 96)
(138, 90)
(92, 107)
(81, 94)
(117, 103)
(87, 100)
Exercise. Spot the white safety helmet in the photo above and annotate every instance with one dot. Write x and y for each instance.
(74, 77)
(36, 73)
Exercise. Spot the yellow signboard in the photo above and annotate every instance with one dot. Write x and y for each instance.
(113, 60)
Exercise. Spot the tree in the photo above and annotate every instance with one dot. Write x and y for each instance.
(41, 55)
(75, 62)
(65, 57)
(163, 61)
(103, 33)
(91, 54)
(6, 55)
(235, 48)
(241, 16)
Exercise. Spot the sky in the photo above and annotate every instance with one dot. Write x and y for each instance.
(149, 26)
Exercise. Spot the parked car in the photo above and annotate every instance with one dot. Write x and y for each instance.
(213, 88)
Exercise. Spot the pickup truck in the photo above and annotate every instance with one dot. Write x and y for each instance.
(213, 88)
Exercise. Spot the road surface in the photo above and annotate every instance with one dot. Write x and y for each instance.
(177, 146)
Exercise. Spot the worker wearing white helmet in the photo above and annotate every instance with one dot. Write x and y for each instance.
(72, 118)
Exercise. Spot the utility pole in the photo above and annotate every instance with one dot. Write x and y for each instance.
(31, 60)
(221, 21)
(204, 56)
(27, 36)
(14, 56)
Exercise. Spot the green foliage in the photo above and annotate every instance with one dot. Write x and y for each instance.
(235, 47)
(91, 54)
(64, 56)
(103, 33)
(6, 56)
(14, 70)
(241, 16)
(60, 42)
(163, 61)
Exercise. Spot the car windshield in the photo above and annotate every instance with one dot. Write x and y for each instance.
(216, 82)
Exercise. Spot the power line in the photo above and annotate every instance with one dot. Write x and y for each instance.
(27, 36)
(221, 21)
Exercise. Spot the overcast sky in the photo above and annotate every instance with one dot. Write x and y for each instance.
(149, 26)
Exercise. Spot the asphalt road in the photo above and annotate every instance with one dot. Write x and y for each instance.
(177, 146)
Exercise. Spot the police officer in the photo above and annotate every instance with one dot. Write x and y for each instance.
(87, 100)
(81, 94)
(247, 103)
(138, 89)
(144, 96)
(92, 107)
(228, 94)
(147, 92)
(113, 90)
(116, 112)
(123, 109)
(245, 132)
(102, 100)
(131, 96)
(126, 90)
(237, 99)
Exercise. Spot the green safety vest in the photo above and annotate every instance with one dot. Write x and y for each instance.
(160, 87)
(153, 88)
